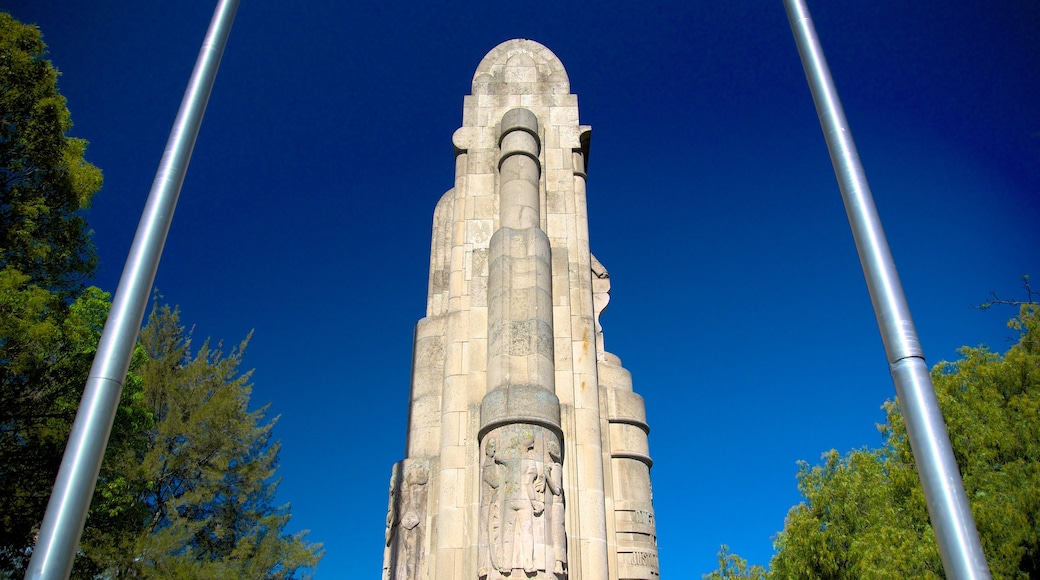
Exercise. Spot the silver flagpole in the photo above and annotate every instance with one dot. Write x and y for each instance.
(67, 509)
(948, 508)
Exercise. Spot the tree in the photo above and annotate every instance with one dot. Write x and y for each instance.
(864, 513)
(207, 476)
(49, 324)
(186, 488)
(864, 517)
(992, 408)
(46, 349)
(733, 567)
(44, 180)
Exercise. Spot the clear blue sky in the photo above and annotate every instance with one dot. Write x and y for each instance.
(738, 302)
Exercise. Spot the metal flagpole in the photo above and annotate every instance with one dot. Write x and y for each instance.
(67, 509)
(948, 508)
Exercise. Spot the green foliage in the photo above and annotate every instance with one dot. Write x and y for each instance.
(864, 514)
(733, 567)
(188, 479)
(207, 475)
(44, 180)
(864, 517)
(46, 347)
(992, 408)
(49, 324)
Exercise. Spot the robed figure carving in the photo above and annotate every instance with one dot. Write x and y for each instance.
(490, 511)
(521, 505)
(555, 509)
(406, 523)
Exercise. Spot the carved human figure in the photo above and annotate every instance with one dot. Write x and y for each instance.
(522, 483)
(490, 511)
(600, 298)
(391, 520)
(557, 532)
(410, 549)
(391, 516)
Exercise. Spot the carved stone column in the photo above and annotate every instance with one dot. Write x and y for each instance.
(520, 414)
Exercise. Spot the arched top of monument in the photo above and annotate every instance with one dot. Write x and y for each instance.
(518, 66)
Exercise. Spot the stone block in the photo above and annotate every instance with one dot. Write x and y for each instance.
(461, 167)
(520, 140)
(556, 201)
(482, 161)
(480, 185)
(466, 365)
(457, 283)
(484, 207)
(533, 100)
(478, 232)
(562, 353)
(455, 398)
(561, 179)
(550, 138)
(425, 441)
(453, 359)
(541, 371)
(560, 299)
(559, 225)
(452, 515)
(613, 376)
(450, 428)
(478, 325)
(454, 456)
(478, 292)
(564, 98)
(483, 116)
(519, 403)
(625, 406)
(586, 394)
(476, 385)
(426, 411)
(563, 116)
(632, 480)
(627, 440)
(458, 236)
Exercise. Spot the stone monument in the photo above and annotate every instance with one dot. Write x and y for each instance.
(527, 451)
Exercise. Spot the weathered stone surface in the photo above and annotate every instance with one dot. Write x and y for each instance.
(527, 454)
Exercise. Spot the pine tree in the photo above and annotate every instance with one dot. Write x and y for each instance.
(208, 473)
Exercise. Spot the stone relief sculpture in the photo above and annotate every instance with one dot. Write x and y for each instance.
(521, 505)
(600, 299)
(554, 497)
(410, 528)
(524, 505)
(391, 520)
(490, 511)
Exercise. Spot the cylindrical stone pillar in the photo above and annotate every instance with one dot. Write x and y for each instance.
(521, 501)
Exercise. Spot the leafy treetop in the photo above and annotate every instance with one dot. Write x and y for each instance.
(44, 180)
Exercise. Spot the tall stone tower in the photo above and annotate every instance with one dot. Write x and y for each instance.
(527, 450)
